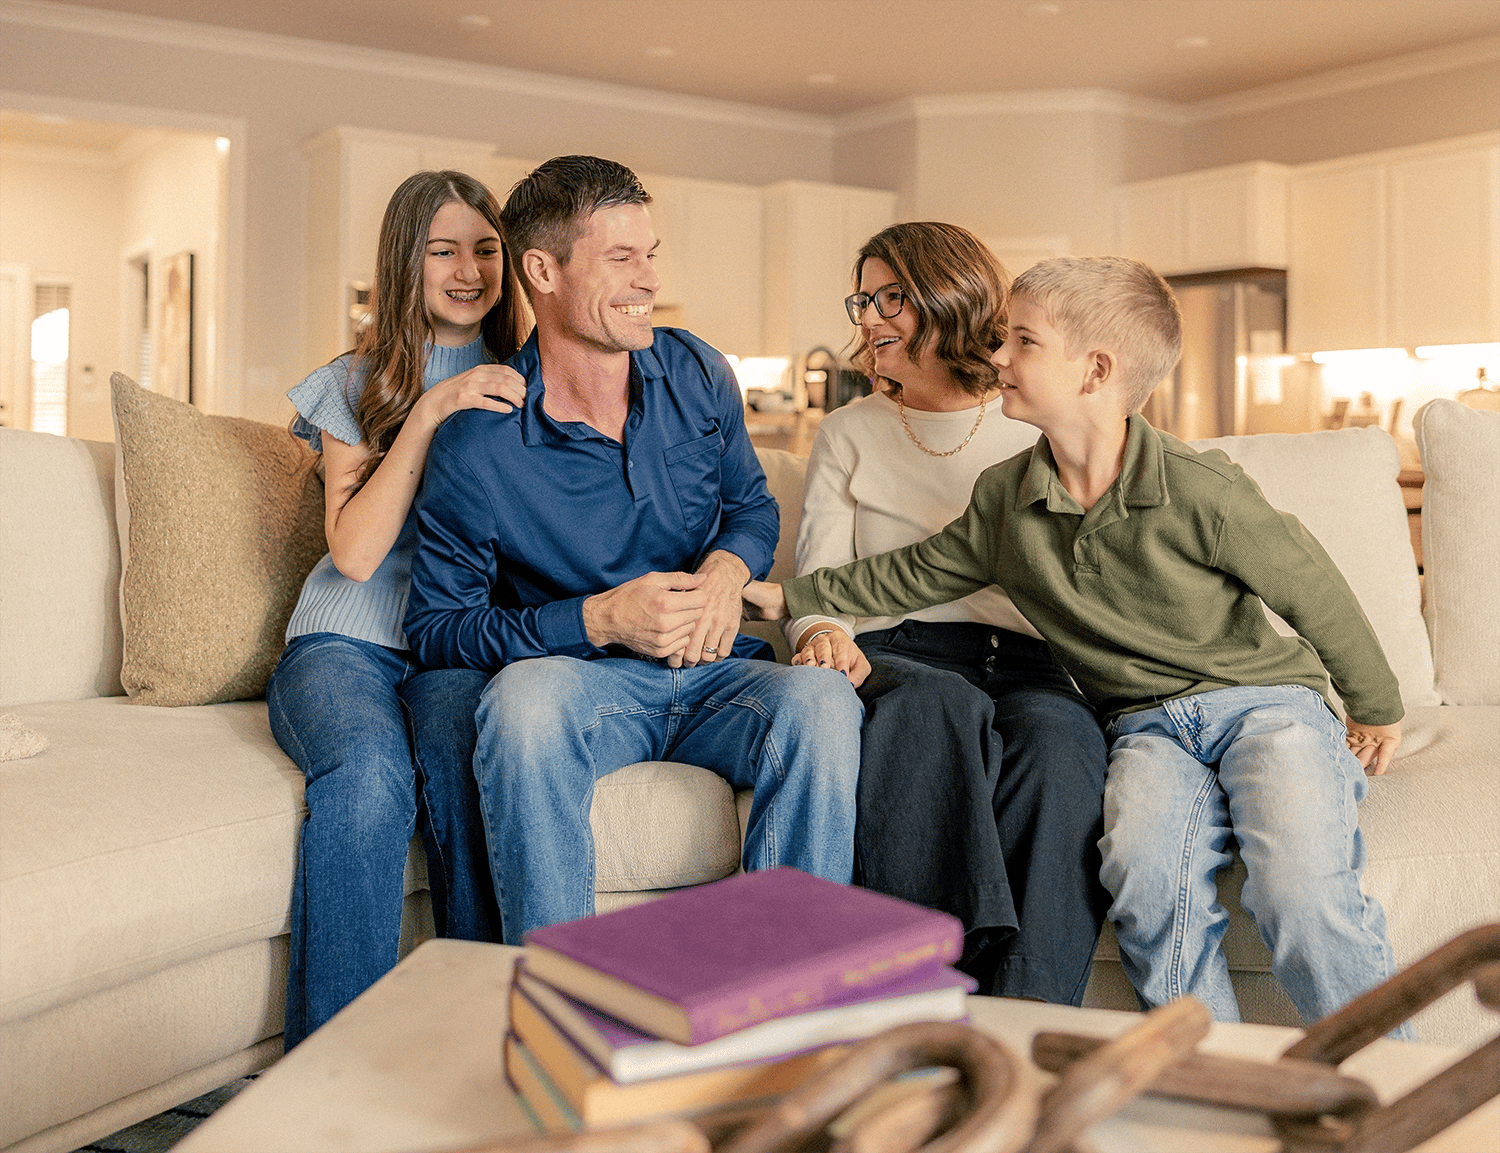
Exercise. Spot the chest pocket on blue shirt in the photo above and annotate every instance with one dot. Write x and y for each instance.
(694, 469)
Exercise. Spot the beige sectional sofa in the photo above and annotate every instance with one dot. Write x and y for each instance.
(146, 853)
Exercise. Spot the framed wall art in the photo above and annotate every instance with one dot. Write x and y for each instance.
(174, 329)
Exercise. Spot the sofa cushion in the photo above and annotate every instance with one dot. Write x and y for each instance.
(1342, 487)
(661, 826)
(140, 839)
(220, 520)
(102, 1062)
(1461, 548)
(59, 585)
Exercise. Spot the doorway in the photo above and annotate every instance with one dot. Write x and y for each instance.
(108, 202)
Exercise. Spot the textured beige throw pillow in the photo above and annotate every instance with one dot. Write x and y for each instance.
(220, 520)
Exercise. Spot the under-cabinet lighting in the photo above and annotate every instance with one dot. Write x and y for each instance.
(1470, 353)
(767, 372)
(1360, 356)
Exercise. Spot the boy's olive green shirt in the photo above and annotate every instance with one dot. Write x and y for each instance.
(1152, 594)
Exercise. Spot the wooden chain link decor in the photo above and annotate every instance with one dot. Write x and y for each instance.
(988, 1109)
(1315, 1109)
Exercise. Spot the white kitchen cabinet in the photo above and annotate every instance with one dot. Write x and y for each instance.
(1336, 266)
(1208, 221)
(812, 232)
(351, 175)
(1398, 248)
(1444, 227)
(709, 259)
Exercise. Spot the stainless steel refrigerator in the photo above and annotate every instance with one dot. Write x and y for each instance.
(1233, 338)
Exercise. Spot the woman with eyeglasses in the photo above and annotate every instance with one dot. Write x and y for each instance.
(982, 769)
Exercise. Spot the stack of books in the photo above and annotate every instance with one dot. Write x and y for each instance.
(718, 997)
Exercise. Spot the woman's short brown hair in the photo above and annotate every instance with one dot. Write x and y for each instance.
(956, 289)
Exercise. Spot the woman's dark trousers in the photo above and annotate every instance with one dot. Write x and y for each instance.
(980, 793)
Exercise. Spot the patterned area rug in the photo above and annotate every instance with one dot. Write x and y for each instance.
(158, 1134)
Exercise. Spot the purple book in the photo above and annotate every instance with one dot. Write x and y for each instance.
(708, 961)
(628, 1055)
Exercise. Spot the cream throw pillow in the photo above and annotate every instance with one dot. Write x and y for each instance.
(1342, 487)
(1461, 548)
(220, 520)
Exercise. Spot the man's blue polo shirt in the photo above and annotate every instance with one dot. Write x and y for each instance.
(520, 517)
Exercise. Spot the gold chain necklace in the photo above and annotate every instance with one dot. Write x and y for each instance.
(901, 408)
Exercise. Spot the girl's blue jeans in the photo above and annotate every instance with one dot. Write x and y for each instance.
(1268, 767)
(385, 749)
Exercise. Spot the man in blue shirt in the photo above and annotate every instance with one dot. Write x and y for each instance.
(606, 530)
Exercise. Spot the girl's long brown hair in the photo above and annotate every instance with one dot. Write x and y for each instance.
(956, 287)
(392, 348)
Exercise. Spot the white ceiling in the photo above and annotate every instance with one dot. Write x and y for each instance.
(836, 56)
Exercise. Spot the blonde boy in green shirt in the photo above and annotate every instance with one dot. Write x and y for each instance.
(1145, 565)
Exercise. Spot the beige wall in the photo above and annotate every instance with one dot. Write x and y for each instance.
(1013, 173)
(1015, 168)
(881, 154)
(1411, 110)
(62, 221)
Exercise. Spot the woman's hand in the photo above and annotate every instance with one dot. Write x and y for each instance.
(830, 647)
(497, 387)
(1374, 745)
(763, 601)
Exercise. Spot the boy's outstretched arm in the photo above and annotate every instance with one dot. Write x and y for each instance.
(764, 601)
(1374, 745)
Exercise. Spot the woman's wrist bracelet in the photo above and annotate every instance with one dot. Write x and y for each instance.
(807, 640)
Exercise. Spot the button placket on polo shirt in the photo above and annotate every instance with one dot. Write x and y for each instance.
(1109, 509)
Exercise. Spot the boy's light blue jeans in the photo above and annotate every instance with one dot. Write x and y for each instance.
(551, 726)
(1268, 767)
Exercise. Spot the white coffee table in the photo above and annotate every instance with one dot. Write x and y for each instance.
(414, 1064)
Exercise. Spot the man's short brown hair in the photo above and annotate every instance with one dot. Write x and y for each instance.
(549, 207)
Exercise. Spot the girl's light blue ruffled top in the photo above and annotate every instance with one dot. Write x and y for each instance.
(330, 602)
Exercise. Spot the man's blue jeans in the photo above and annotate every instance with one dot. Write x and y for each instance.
(1268, 767)
(380, 744)
(550, 727)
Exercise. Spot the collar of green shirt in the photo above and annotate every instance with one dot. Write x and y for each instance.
(1142, 482)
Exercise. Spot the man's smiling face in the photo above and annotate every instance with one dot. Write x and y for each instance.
(607, 289)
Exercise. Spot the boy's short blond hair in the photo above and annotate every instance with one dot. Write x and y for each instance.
(1110, 302)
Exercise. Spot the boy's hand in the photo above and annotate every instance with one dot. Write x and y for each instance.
(763, 601)
(1374, 745)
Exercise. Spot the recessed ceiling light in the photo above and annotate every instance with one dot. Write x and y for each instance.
(823, 79)
(476, 20)
(1193, 42)
(661, 51)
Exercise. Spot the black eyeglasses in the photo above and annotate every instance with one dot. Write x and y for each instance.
(888, 301)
